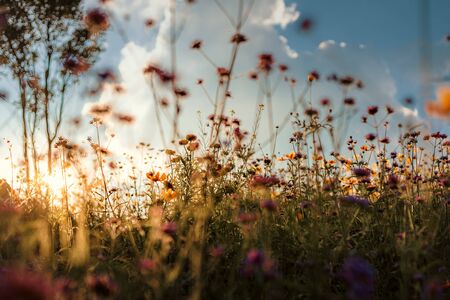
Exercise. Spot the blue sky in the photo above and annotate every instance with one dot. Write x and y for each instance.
(391, 29)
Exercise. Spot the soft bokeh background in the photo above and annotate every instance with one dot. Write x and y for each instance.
(398, 48)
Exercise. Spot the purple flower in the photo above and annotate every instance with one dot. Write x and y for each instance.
(257, 262)
(255, 257)
(169, 228)
(361, 172)
(267, 181)
(359, 276)
(269, 205)
(351, 199)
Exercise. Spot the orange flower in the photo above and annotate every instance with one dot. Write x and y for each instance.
(440, 108)
(155, 177)
(168, 194)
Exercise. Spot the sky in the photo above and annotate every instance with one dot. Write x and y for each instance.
(376, 41)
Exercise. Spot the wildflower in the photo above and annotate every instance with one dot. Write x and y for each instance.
(163, 76)
(146, 265)
(385, 140)
(255, 257)
(169, 228)
(269, 205)
(359, 84)
(101, 285)
(256, 261)
(149, 23)
(401, 235)
(217, 251)
(306, 24)
(106, 75)
(183, 142)
(283, 68)
(441, 106)
(75, 65)
(170, 152)
(223, 72)
(191, 137)
(361, 172)
(420, 199)
(193, 146)
(266, 62)
(168, 194)
(253, 75)
(349, 101)
(389, 109)
(370, 136)
(347, 80)
(156, 177)
(264, 181)
(180, 92)
(364, 203)
(359, 276)
(124, 118)
(246, 218)
(372, 110)
(325, 102)
(311, 112)
(393, 181)
(332, 77)
(96, 21)
(100, 110)
(23, 284)
(238, 38)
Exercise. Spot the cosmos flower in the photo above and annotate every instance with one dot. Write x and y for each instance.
(156, 176)
(168, 194)
(266, 62)
(440, 107)
(264, 181)
(196, 44)
(349, 101)
(370, 136)
(372, 110)
(238, 38)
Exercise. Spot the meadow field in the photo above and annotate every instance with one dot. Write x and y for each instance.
(336, 199)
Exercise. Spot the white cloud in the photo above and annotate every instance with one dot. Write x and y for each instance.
(271, 13)
(289, 51)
